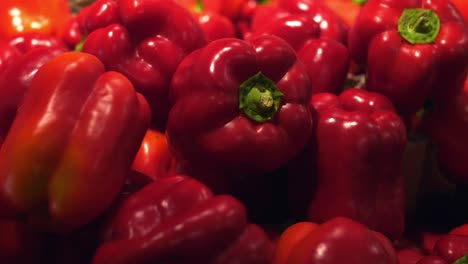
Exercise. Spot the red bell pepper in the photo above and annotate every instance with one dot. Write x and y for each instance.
(339, 240)
(8, 54)
(414, 50)
(452, 248)
(178, 220)
(432, 260)
(331, 25)
(20, 16)
(360, 131)
(462, 6)
(154, 159)
(71, 144)
(447, 126)
(249, 110)
(409, 256)
(348, 10)
(15, 81)
(143, 39)
(326, 60)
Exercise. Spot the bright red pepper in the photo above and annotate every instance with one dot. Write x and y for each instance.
(240, 106)
(15, 81)
(178, 220)
(414, 50)
(21, 16)
(462, 6)
(447, 126)
(71, 144)
(348, 10)
(143, 39)
(154, 158)
(452, 248)
(339, 240)
(360, 131)
(326, 60)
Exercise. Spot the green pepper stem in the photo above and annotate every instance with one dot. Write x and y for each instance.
(462, 260)
(360, 2)
(199, 7)
(419, 26)
(259, 98)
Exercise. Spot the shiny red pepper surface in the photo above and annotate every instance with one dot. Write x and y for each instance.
(143, 39)
(240, 106)
(71, 144)
(178, 220)
(353, 164)
(414, 50)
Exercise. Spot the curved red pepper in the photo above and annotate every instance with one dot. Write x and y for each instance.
(431, 260)
(326, 60)
(178, 220)
(447, 126)
(339, 240)
(145, 40)
(249, 109)
(414, 50)
(360, 131)
(452, 248)
(71, 144)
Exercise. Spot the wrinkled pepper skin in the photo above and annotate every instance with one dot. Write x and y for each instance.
(344, 241)
(15, 81)
(145, 40)
(178, 220)
(216, 118)
(360, 131)
(447, 127)
(411, 60)
(326, 60)
(71, 144)
(331, 25)
(154, 158)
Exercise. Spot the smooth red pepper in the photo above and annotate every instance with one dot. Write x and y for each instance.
(360, 131)
(339, 240)
(326, 60)
(178, 220)
(15, 81)
(71, 144)
(22, 16)
(240, 106)
(348, 10)
(452, 248)
(154, 158)
(447, 126)
(414, 50)
(143, 39)
(462, 6)
(409, 256)
(431, 260)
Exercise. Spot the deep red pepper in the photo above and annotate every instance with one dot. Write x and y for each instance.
(143, 39)
(240, 106)
(339, 240)
(71, 144)
(19, 244)
(452, 248)
(360, 131)
(409, 256)
(414, 50)
(447, 126)
(326, 60)
(178, 220)
(431, 260)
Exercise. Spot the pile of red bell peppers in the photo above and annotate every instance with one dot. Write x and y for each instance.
(225, 132)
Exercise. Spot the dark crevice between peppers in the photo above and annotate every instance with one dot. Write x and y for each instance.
(419, 26)
(259, 98)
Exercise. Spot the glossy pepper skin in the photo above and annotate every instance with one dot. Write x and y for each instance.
(16, 79)
(78, 128)
(145, 40)
(339, 240)
(178, 220)
(360, 131)
(24, 16)
(242, 106)
(414, 50)
(447, 127)
(452, 248)
(326, 60)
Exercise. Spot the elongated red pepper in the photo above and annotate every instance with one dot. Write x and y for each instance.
(71, 143)
(360, 131)
(414, 50)
(326, 60)
(240, 106)
(339, 240)
(143, 39)
(178, 220)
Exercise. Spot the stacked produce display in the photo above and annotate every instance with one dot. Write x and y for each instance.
(225, 132)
